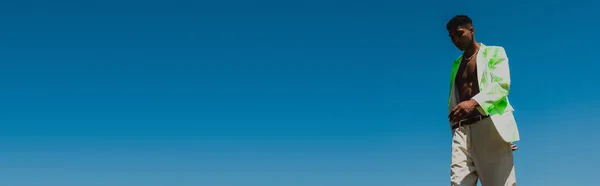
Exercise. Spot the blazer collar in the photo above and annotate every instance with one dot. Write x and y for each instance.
(481, 63)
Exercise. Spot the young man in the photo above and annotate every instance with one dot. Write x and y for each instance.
(480, 115)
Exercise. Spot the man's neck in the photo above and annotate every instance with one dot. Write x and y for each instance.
(471, 50)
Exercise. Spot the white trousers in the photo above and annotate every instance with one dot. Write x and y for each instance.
(479, 153)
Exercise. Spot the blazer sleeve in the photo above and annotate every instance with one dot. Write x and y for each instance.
(493, 97)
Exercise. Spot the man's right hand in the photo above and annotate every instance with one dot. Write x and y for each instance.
(514, 147)
(461, 110)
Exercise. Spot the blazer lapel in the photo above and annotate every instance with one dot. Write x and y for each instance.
(481, 65)
(452, 80)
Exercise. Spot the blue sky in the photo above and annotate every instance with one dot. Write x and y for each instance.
(270, 93)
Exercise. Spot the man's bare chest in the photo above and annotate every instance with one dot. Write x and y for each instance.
(467, 72)
(466, 80)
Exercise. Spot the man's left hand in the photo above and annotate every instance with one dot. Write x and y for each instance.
(513, 147)
(462, 109)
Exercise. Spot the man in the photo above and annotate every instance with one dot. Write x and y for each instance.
(480, 115)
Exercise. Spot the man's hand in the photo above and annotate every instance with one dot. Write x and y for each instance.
(462, 109)
(514, 147)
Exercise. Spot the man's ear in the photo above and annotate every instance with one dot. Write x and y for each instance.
(472, 30)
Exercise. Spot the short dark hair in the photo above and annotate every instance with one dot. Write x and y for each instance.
(458, 21)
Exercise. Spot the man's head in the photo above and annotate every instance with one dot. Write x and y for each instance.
(461, 31)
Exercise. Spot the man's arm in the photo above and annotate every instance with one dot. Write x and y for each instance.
(493, 96)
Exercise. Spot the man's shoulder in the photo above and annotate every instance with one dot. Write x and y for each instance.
(494, 46)
(493, 50)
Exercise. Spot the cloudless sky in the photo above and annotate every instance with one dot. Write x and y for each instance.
(281, 93)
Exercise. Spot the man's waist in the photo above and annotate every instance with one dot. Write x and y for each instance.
(473, 118)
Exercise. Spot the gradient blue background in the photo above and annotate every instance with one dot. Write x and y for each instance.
(273, 93)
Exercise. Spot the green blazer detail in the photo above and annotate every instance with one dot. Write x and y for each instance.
(493, 75)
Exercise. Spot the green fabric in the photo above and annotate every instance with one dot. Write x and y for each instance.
(494, 84)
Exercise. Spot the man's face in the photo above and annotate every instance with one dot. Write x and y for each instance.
(462, 36)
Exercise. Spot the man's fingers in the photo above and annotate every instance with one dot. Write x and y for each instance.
(514, 147)
(455, 109)
(457, 112)
(454, 115)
